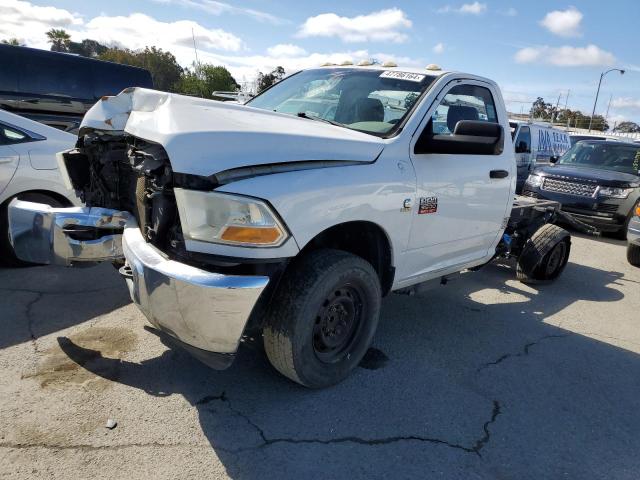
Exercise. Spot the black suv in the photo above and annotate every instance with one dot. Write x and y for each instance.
(597, 181)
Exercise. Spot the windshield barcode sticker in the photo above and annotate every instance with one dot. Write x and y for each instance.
(412, 77)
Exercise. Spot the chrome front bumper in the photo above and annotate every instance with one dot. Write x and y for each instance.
(63, 236)
(206, 312)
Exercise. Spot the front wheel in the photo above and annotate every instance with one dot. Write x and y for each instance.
(323, 317)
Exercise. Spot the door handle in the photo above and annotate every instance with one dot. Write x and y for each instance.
(498, 174)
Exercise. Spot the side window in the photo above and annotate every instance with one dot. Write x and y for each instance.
(10, 135)
(523, 142)
(463, 102)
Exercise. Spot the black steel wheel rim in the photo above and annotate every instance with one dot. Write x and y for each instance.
(338, 323)
(556, 259)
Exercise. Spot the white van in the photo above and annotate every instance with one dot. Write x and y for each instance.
(535, 143)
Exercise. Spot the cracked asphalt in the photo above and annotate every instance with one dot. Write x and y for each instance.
(483, 378)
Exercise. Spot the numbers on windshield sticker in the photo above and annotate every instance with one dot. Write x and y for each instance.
(412, 77)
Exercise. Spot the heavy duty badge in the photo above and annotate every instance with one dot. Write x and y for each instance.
(428, 205)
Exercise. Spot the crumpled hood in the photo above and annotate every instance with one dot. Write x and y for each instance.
(204, 137)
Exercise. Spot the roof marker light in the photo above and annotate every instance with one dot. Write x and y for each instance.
(346, 63)
(365, 63)
(389, 64)
(433, 67)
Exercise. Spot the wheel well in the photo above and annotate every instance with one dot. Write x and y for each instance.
(60, 198)
(364, 239)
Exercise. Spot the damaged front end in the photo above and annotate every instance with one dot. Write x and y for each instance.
(132, 221)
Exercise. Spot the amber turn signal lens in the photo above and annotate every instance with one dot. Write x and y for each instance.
(638, 211)
(256, 235)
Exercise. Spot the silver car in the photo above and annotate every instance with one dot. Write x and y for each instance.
(633, 237)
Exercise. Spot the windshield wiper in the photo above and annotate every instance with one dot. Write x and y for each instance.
(320, 119)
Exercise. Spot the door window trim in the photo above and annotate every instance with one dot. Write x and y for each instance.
(29, 135)
(424, 121)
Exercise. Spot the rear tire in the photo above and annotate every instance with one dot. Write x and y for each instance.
(544, 256)
(633, 255)
(8, 257)
(323, 317)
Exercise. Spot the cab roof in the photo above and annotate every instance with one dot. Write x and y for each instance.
(382, 68)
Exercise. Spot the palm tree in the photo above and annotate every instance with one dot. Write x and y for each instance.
(59, 40)
(13, 41)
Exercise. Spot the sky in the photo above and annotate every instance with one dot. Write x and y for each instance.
(534, 48)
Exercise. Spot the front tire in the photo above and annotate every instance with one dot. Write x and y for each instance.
(323, 317)
(8, 256)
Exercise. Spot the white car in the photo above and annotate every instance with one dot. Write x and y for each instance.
(231, 221)
(29, 171)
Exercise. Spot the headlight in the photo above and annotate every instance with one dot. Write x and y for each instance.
(614, 192)
(534, 180)
(229, 219)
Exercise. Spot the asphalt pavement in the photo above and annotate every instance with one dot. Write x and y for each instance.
(483, 378)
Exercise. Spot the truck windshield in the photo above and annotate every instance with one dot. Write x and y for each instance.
(605, 156)
(371, 101)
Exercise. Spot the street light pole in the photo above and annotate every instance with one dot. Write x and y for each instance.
(598, 92)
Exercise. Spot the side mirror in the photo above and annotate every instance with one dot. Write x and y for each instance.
(554, 159)
(470, 137)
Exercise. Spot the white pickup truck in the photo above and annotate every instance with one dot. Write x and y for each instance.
(291, 217)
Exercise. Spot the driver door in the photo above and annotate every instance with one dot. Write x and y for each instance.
(462, 198)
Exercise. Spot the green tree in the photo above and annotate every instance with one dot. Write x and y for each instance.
(264, 81)
(627, 127)
(87, 48)
(202, 81)
(13, 41)
(541, 109)
(164, 68)
(59, 40)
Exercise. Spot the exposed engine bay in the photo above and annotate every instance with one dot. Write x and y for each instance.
(126, 173)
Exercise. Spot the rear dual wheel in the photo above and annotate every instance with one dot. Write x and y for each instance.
(544, 256)
(323, 317)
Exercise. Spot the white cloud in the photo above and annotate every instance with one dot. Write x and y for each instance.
(626, 103)
(138, 31)
(383, 26)
(286, 50)
(475, 8)
(438, 48)
(28, 22)
(214, 7)
(566, 56)
(25, 21)
(564, 23)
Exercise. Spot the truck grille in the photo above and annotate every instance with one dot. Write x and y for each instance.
(569, 188)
